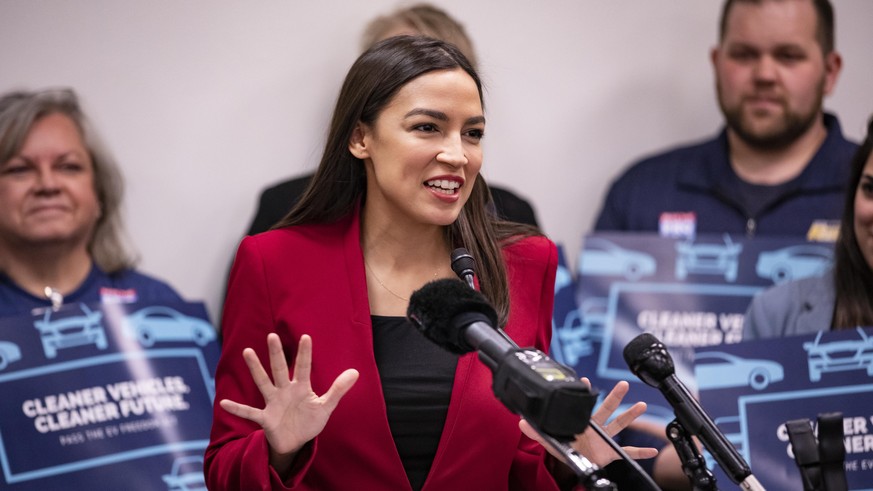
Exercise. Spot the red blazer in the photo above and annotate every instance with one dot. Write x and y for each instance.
(311, 280)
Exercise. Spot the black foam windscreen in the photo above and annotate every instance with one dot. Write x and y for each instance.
(648, 359)
(442, 309)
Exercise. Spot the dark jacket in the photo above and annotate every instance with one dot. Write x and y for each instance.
(699, 179)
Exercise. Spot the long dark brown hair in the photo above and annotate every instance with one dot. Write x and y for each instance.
(853, 277)
(340, 181)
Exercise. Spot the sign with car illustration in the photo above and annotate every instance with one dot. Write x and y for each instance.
(159, 323)
(565, 318)
(688, 292)
(718, 370)
(106, 396)
(805, 376)
(696, 257)
(9, 353)
(794, 262)
(186, 474)
(604, 257)
(839, 356)
(66, 329)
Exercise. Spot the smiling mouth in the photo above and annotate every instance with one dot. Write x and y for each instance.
(48, 209)
(444, 186)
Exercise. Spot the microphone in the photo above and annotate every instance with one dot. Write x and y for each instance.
(649, 360)
(464, 265)
(529, 383)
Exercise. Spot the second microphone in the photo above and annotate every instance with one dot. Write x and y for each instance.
(549, 395)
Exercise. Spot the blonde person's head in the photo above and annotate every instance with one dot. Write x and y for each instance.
(421, 19)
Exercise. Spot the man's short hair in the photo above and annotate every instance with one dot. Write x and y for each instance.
(824, 27)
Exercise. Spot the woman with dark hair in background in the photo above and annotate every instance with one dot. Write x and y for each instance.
(841, 298)
(420, 19)
(397, 189)
(61, 236)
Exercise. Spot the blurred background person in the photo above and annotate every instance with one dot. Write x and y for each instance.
(423, 19)
(780, 165)
(61, 233)
(842, 298)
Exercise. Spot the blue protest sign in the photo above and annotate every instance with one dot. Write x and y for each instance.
(568, 343)
(110, 395)
(688, 292)
(752, 389)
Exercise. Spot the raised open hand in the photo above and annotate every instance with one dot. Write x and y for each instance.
(589, 444)
(293, 414)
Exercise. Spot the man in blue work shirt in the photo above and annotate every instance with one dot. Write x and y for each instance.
(780, 166)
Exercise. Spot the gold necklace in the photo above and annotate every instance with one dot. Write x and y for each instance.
(383, 285)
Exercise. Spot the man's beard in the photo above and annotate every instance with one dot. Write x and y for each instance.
(792, 126)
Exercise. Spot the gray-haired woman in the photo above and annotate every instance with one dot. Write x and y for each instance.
(61, 236)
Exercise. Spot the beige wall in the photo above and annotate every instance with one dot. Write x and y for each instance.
(206, 102)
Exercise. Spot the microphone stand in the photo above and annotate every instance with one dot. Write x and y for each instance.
(693, 464)
(821, 463)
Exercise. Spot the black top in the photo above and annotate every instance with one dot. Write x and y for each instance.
(417, 378)
(756, 198)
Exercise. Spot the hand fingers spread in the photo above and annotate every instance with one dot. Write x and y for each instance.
(278, 365)
(626, 418)
(243, 411)
(611, 402)
(259, 376)
(641, 452)
(303, 361)
(339, 387)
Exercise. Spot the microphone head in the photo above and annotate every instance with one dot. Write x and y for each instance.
(648, 359)
(442, 309)
(463, 263)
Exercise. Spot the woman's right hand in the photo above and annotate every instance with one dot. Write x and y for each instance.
(293, 414)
